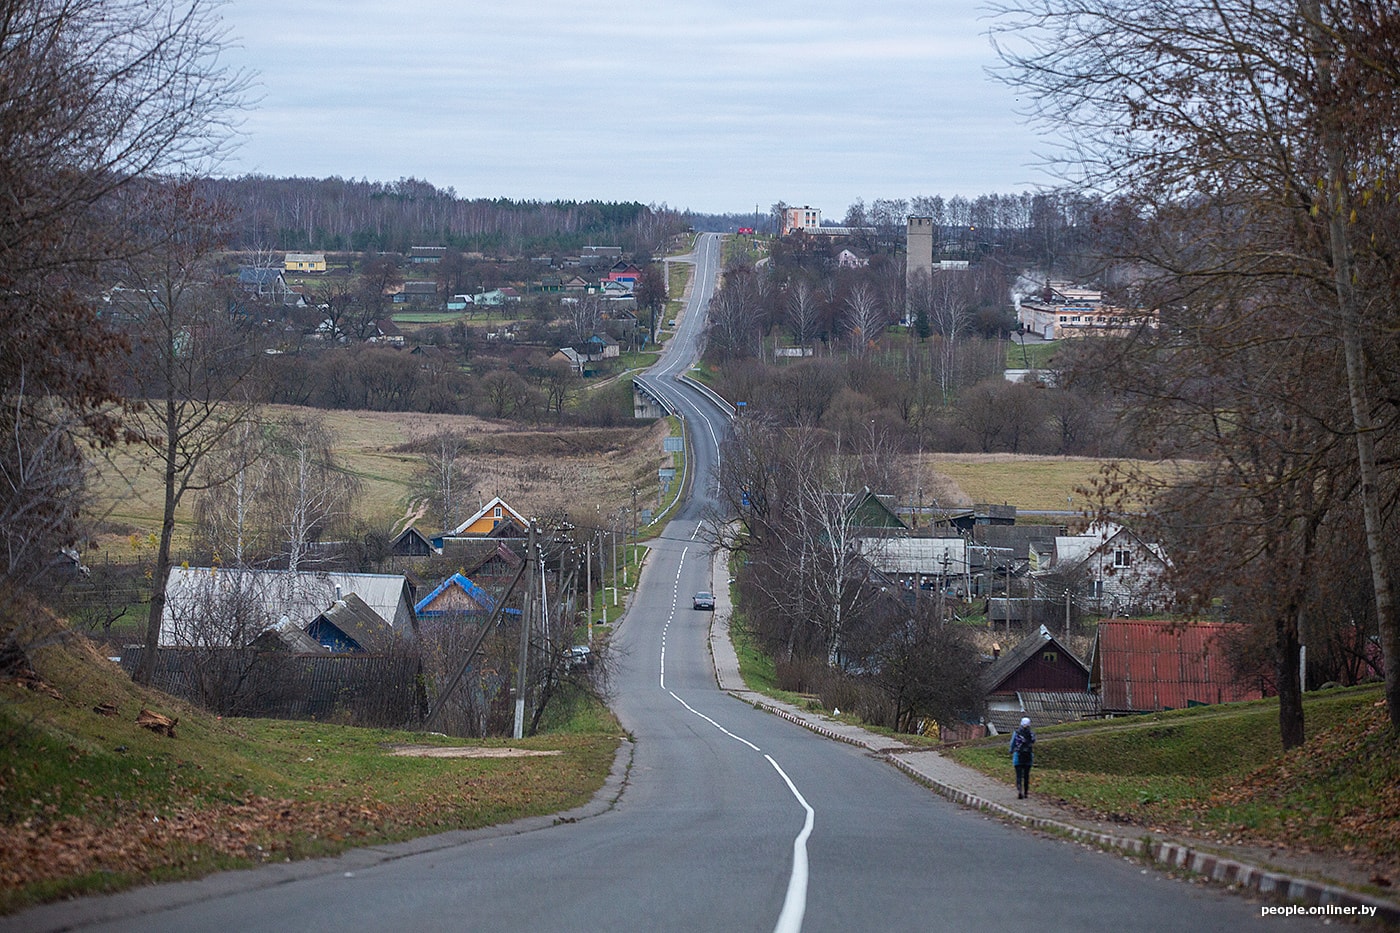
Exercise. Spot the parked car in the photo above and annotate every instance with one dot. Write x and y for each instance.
(580, 656)
(704, 600)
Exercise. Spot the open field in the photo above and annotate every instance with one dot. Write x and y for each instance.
(1027, 482)
(577, 469)
(536, 470)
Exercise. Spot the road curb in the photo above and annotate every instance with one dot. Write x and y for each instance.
(1217, 868)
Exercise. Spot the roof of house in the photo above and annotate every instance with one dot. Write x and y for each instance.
(1046, 708)
(506, 512)
(287, 635)
(486, 555)
(569, 353)
(1142, 666)
(352, 617)
(1000, 670)
(272, 595)
(411, 534)
(915, 555)
(258, 275)
(1015, 539)
(871, 510)
(1097, 538)
(484, 601)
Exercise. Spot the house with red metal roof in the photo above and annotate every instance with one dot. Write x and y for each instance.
(1142, 666)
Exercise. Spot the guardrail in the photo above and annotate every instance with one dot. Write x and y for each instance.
(709, 393)
(655, 395)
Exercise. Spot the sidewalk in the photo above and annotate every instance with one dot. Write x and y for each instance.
(1294, 877)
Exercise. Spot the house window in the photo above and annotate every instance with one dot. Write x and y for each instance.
(1122, 557)
(497, 513)
(1050, 657)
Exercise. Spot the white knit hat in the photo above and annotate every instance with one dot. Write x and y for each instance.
(1026, 721)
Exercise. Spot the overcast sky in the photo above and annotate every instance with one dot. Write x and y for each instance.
(716, 106)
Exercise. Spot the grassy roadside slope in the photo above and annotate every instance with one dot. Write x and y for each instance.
(91, 802)
(1219, 773)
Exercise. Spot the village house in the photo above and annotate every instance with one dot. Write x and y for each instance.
(918, 563)
(1123, 572)
(230, 607)
(304, 262)
(455, 597)
(417, 295)
(266, 282)
(1041, 678)
(495, 519)
(349, 624)
(426, 255)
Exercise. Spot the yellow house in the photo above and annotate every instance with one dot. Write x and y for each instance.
(491, 516)
(304, 262)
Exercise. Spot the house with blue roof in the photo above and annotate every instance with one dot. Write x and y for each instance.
(457, 595)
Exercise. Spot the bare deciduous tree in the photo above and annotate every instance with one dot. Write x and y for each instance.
(802, 313)
(191, 366)
(1258, 139)
(96, 96)
(445, 478)
(230, 510)
(864, 317)
(308, 491)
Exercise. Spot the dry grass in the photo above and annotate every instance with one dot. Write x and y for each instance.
(1027, 482)
(576, 469)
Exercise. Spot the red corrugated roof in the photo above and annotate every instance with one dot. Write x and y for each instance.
(1142, 666)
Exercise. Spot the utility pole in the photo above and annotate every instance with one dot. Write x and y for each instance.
(527, 614)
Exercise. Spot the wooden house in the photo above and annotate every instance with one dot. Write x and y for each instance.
(1039, 678)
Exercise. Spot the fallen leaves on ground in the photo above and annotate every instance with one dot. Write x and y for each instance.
(257, 828)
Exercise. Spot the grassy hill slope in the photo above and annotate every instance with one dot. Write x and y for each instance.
(89, 801)
(1219, 772)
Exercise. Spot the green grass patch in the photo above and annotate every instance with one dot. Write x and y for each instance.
(1031, 355)
(428, 317)
(1219, 772)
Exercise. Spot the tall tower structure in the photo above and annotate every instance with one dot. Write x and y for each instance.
(918, 248)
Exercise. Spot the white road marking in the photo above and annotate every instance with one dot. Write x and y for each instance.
(795, 901)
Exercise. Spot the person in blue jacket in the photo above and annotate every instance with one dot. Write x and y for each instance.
(1022, 755)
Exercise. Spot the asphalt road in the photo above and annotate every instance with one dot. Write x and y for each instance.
(731, 819)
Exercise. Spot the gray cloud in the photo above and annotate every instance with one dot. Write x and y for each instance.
(714, 106)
